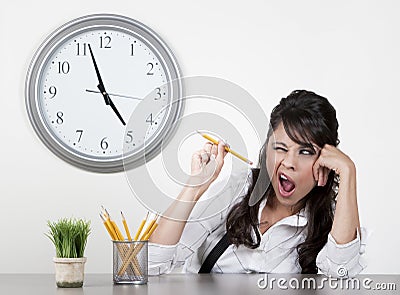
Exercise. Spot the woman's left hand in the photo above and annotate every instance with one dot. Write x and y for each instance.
(331, 158)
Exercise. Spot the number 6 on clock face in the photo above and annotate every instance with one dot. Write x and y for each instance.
(86, 80)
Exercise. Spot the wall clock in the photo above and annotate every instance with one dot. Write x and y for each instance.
(86, 80)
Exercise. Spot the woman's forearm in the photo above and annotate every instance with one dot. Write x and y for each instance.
(170, 227)
(205, 168)
(346, 219)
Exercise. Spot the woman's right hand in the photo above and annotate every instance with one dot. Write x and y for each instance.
(206, 165)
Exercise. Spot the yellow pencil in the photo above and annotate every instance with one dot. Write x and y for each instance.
(110, 232)
(153, 228)
(119, 234)
(126, 227)
(141, 227)
(228, 149)
(110, 226)
(149, 227)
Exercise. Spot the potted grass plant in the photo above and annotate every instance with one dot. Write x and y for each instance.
(69, 237)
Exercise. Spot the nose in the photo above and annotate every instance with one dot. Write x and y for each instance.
(289, 161)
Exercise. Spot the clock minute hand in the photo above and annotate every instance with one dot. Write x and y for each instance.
(114, 108)
(102, 89)
(101, 84)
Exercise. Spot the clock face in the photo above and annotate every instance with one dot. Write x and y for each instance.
(88, 79)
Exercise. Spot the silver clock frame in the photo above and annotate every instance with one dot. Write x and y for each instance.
(76, 27)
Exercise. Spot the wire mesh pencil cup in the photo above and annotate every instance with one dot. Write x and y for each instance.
(130, 265)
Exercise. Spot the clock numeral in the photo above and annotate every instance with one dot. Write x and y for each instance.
(158, 93)
(150, 71)
(105, 42)
(63, 67)
(52, 91)
(129, 136)
(80, 134)
(60, 119)
(81, 49)
(104, 144)
(149, 119)
(133, 49)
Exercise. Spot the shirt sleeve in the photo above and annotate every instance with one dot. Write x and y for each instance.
(343, 260)
(165, 258)
(206, 217)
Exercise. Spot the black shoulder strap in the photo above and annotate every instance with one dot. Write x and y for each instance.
(215, 253)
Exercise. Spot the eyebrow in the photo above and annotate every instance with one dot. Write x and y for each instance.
(305, 145)
(281, 143)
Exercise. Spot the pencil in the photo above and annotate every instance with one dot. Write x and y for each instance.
(108, 224)
(228, 149)
(119, 234)
(113, 225)
(107, 227)
(148, 235)
(126, 227)
(149, 227)
(141, 227)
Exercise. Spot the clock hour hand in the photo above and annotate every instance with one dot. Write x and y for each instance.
(104, 93)
(101, 84)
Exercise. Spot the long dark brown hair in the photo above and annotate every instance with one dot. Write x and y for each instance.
(307, 118)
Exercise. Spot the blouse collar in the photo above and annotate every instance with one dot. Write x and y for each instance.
(299, 219)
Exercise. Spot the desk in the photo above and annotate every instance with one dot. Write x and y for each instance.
(190, 284)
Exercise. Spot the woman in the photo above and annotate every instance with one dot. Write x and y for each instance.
(298, 215)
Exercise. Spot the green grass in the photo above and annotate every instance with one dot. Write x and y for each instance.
(69, 236)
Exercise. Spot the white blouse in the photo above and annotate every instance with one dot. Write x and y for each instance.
(277, 251)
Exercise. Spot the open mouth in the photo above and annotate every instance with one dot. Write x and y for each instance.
(286, 185)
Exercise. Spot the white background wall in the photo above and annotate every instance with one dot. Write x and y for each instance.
(348, 51)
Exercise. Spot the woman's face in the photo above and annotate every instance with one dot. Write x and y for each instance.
(289, 167)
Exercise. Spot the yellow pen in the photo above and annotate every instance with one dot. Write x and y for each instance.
(228, 149)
